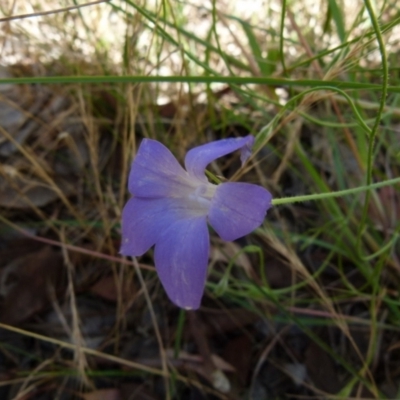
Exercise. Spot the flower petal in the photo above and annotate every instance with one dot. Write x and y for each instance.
(145, 219)
(198, 158)
(238, 208)
(155, 172)
(140, 225)
(181, 258)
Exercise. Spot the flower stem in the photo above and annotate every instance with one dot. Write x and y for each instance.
(339, 193)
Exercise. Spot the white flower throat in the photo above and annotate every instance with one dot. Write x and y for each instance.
(201, 197)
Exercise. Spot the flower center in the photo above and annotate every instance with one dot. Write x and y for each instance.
(202, 195)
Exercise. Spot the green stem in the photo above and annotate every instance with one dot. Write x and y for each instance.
(281, 39)
(374, 130)
(339, 193)
(385, 81)
(239, 80)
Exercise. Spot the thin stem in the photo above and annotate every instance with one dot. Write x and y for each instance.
(374, 130)
(59, 10)
(385, 81)
(239, 80)
(339, 193)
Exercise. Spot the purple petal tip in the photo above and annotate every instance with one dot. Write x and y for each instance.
(246, 150)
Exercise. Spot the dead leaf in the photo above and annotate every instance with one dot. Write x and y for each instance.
(218, 361)
(222, 321)
(25, 284)
(213, 372)
(237, 353)
(22, 106)
(45, 122)
(16, 248)
(131, 391)
(107, 289)
(103, 394)
(321, 369)
(21, 192)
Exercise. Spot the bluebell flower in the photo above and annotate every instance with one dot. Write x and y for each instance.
(171, 207)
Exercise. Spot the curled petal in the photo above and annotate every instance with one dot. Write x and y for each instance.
(155, 172)
(181, 258)
(145, 219)
(198, 158)
(238, 208)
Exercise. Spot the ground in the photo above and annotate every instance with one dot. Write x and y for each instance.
(306, 306)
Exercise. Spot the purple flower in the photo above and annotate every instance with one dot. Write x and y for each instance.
(170, 208)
